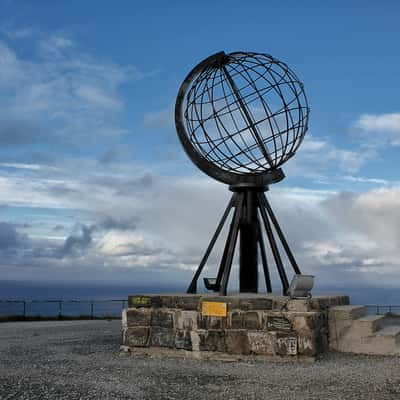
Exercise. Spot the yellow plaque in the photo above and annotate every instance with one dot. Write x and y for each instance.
(213, 309)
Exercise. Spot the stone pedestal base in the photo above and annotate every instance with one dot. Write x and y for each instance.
(242, 324)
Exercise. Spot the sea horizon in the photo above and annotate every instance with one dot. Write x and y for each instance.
(102, 290)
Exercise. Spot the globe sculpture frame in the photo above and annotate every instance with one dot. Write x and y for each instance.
(240, 117)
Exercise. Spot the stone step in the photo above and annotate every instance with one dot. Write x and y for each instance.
(346, 313)
(367, 326)
(391, 331)
(386, 341)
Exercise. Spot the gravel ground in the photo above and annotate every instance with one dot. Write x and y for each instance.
(80, 360)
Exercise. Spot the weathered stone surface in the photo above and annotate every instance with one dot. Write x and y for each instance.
(195, 339)
(186, 320)
(243, 301)
(206, 322)
(183, 340)
(299, 305)
(337, 330)
(162, 337)
(257, 303)
(285, 344)
(163, 318)
(255, 324)
(307, 345)
(322, 340)
(237, 341)
(325, 302)
(371, 334)
(260, 342)
(368, 325)
(183, 302)
(279, 303)
(317, 303)
(307, 322)
(235, 320)
(252, 320)
(212, 340)
(142, 300)
(136, 337)
(136, 317)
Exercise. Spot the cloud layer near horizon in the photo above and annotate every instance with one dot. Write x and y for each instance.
(165, 223)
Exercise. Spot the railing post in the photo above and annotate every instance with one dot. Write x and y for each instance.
(91, 310)
(24, 302)
(60, 309)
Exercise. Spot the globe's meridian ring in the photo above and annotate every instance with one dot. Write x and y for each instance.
(254, 178)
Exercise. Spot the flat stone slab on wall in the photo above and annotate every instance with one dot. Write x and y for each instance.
(253, 324)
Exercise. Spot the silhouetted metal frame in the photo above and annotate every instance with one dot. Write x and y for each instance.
(266, 217)
(231, 178)
(264, 259)
(193, 285)
(244, 157)
(214, 162)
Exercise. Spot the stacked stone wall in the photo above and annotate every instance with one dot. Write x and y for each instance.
(255, 324)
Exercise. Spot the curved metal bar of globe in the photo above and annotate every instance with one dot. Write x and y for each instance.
(264, 259)
(272, 242)
(248, 117)
(281, 235)
(193, 285)
(232, 244)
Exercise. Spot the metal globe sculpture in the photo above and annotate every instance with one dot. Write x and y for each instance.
(240, 117)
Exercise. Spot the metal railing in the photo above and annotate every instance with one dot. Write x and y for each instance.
(382, 309)
(62, 308)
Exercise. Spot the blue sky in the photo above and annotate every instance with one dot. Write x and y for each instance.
(94, 184)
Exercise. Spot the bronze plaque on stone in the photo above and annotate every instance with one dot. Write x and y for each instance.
(141, 301)
(281, 324)
(213, 309)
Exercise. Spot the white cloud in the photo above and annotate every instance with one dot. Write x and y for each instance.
(97, 97)
(159, 119)
(379, 130)
(379, 122)
(60, 93)
(337, 236)
(317, 156)
(361, 179)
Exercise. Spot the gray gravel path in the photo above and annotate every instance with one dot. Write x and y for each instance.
(80, 360)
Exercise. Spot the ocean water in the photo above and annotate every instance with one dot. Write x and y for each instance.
(101, 291)
(97, 299)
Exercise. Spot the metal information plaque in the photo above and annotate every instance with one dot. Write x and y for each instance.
(278, 324)
(213, 309)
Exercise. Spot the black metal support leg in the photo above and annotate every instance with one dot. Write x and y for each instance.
(246, 221)
(232, 245)
(225, 254)
(274, 247)
(264, 260)
(281, 235)
(193, 285)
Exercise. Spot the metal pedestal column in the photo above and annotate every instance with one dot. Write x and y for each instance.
(248, 256)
